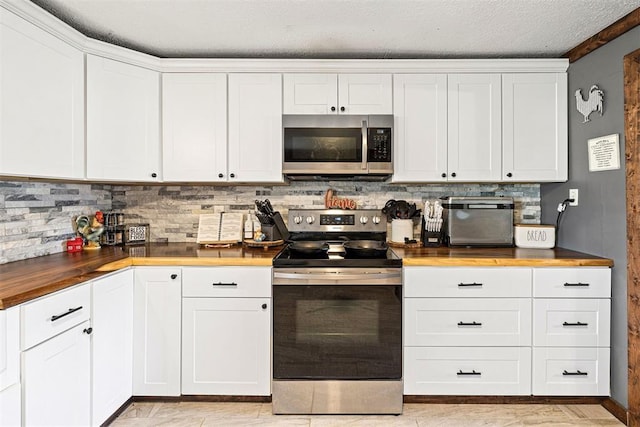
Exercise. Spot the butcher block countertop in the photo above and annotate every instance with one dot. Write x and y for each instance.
(22, 281)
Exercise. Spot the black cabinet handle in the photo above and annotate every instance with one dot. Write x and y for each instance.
(444, 175)
(333, 108)
(154, 175)
(577, 372)
(574, 324)
(473, 372)
(575, 285)
(461, 285)
(224, 284)
(474, 323)
(233, 175)
(174, 276)
(342, 108)
(264, 306)
(60, 316)
(453, 175)
(88, 331)
(220, 175)
(509, 175)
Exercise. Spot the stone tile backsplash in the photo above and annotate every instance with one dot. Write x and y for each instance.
(36, 217)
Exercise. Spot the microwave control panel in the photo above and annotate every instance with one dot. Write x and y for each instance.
(379, 145)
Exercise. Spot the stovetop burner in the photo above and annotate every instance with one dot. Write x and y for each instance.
(336, 227)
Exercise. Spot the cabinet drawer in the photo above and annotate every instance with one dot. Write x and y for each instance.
(571, 371)
(583, 282)
(467, 322)
(50, 315)
(571, 322)
(467, 370)
(467, 282)
(230, 282)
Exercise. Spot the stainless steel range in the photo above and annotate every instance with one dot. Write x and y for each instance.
(337, 316)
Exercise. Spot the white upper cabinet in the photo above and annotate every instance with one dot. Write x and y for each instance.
(41, 102)
(475, 127)
(420, 141)
(337, 94)
(255, 128)
(123, 121)
(535, 136)
(194, 127)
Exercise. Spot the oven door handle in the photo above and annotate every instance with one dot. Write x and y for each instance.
(365, 144)
(336, 276)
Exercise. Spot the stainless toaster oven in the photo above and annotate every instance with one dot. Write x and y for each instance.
(478, 221)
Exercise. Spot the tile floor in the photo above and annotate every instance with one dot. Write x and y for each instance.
(414, 414)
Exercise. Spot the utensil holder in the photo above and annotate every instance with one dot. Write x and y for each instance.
(401, 228)
(271, 232)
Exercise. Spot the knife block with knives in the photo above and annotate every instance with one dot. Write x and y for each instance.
(271, 222)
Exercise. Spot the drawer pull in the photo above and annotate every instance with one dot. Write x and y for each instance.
(470, 323)
(466, 285)
(60, 316)
(224, 284)
(473, 372)
(174, 276)
(575, 285)
(578, 372)
(574, 324)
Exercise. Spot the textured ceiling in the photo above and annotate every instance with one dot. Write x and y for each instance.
(343, 28)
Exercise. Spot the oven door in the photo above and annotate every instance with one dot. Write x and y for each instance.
(337, 331)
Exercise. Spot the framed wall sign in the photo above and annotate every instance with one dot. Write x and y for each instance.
(604, 153)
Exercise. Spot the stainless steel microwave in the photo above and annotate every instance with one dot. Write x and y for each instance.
(335, 146)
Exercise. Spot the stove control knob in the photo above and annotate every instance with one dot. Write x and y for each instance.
(310, 219)
(297, 219)
(364, 220)
(375, 219)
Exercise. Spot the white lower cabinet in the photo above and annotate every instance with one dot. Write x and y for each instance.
(10, 399)
(156, 331)
(226, 326)
(503, 330)
(112, 344)
(468, 370)
(56, 380)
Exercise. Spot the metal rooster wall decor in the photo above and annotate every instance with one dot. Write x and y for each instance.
(593, 103)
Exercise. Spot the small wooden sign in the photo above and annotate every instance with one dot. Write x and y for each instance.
(334, 202)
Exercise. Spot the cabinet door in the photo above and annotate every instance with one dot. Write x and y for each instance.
(420, 143)
(41, 102)
(9, 347)
(474, 127)
(310, 93)
(112, 344)
(255, 128)
(156, 331)
(226, 346)
(365, 94)
(194, 127)
(535, 137)
(56, 380)
(123, 121)
(11, 406)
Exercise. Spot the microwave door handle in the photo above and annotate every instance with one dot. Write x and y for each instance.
(365, 134)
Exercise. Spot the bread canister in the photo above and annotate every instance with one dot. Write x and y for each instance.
(535, 236)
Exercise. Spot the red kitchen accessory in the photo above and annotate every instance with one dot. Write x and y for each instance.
(74, 245)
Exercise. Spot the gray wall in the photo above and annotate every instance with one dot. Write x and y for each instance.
(598, 224)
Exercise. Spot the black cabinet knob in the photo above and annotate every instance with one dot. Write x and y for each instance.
(233, 175)
(509, 174)
(444, 175)
(174, 276)
(88, 331)
(342, 108)
(154, 175)
(333, 108)
(453, 175)
(220, 175)
(264, 306)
